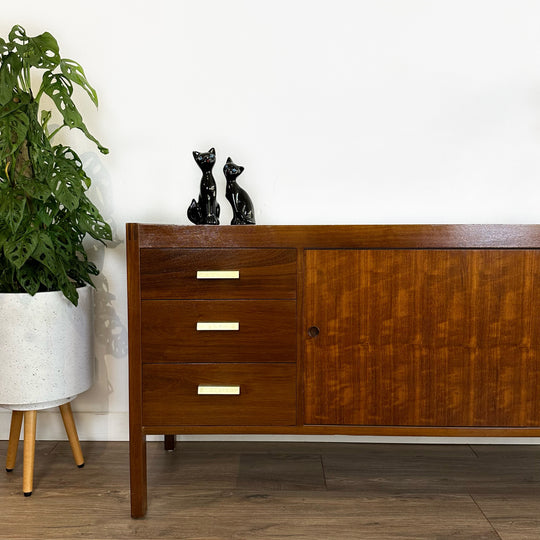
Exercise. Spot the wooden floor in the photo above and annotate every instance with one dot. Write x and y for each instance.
(260, 490)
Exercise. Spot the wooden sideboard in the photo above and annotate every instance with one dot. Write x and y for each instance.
(349, 329)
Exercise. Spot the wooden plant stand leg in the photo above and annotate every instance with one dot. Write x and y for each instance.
(13, 444)
(170, 442)
(71, 430)
(30, 418)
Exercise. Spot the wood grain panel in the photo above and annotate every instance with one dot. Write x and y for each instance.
(137, 438)
(423, 337)
(172, 273)
(267, 331)
(347, 429)
(341, 236)
(267, 394)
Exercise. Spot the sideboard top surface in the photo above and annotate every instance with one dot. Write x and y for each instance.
(336, 236)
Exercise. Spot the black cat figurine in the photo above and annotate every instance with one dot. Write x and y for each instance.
(206, 211)
(243, 211)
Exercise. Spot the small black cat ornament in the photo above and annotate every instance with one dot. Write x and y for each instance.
(206, 211)
(243, 211)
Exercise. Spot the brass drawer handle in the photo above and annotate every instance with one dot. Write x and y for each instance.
(218, 326)
(218, 274)
(211, 390)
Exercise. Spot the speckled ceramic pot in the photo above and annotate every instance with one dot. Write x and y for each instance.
(46, 349)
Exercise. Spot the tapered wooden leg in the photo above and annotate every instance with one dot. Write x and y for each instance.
(29, 451)
(137, 470)
(170, 442)
(14, 434)
(71, 430)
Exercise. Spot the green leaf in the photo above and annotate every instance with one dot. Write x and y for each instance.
(28, 279)
(68, 288)
(48, 279)
(10, 69)
(4, 47)
(45, 117)
(91, 222)
(62, 189)
(80, 270)
(67, 179)
(12, 208)
(64, 153)
(13, 130)
(42, 52)
(42, 162)
(75, 73)
(71, 163)
(18, 250)
(63, 245)
(44, 251)
(92, 268)
(4, 235)
(35, 188)
(20, 99)
(60, 89)
(18, 36)
(37, 138)
(46, 213)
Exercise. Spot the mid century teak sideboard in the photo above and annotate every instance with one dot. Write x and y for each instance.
(348, 329)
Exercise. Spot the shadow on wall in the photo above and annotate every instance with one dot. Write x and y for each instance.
(110, 339)
(110, 334)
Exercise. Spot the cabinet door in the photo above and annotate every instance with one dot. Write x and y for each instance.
(422, 337)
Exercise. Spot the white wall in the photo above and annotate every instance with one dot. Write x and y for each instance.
(342, 111)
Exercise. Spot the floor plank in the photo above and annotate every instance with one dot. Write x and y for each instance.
(514, 517)
(261, 490)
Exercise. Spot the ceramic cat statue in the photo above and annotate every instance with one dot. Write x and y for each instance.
(243, 210)
(206, 210)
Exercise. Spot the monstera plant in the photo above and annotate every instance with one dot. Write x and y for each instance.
(44, 211)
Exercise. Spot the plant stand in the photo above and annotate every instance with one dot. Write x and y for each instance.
(30, 418)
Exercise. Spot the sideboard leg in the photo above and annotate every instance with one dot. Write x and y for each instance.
(170, 442)
(137, 459)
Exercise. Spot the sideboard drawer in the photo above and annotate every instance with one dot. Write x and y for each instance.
(218, 273)
(219, 394)
(218, 331)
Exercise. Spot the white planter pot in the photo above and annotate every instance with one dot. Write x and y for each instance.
(46, 349)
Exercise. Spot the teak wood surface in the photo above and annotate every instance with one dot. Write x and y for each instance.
(267, 395)
(171, 273)
(422, 330)
(267, 330)
(423, 337)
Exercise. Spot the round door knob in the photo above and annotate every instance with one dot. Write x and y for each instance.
(313, 331)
